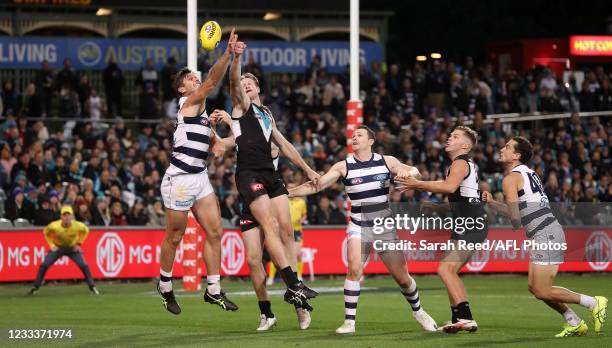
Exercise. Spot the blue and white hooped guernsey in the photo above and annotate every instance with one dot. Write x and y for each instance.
(190, 144)
(367, 186)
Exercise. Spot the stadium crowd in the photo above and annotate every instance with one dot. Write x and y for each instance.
(110, 173)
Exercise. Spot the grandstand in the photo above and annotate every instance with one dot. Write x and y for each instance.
(93, 130)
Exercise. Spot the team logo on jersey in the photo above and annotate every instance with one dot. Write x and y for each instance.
(474, 200)
(256, 187)
(245, 222)
(356, 181)
(598, 250)
(381, 177)
(205, 122)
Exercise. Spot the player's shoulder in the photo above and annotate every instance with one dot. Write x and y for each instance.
(512, 178)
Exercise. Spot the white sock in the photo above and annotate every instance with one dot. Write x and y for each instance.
(214, 285)
(571, 317)
(352, 290)
(588, 302)
(165, 286)
(412, 296)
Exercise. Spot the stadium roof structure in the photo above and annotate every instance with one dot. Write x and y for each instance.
(319, 19)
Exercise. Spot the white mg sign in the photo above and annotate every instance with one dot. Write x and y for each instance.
(110, 254)
(232, 253)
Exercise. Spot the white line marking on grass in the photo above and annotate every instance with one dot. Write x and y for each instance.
(278, 292)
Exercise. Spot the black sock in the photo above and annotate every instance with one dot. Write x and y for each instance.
(288, 276)
(454, 312)
(266, 309)
(164, 278)
(464, 311)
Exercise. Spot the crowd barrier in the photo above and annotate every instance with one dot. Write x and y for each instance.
(114, 253)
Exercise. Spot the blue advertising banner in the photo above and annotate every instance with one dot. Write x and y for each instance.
(131, 54)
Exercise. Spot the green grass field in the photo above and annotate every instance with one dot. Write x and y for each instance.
(131, 315)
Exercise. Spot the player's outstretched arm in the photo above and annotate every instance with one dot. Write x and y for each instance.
(222, 116)
(458, 171)
(401, 170)
(240, 100)
(335, 172)
(510, 186)
(289, 151)
(215, 74)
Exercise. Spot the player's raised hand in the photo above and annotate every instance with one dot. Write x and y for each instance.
(487, 197)
(313, 177)
(239, 48)
(220, 116)
(233, 38)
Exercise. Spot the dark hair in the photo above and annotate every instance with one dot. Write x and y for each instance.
(250, 76)
(371, 134)
(470, 133)
(524, 148)
(178, 79)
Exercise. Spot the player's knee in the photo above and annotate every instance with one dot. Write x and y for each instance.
(541, 293)
(253, 260)
(445, 270)
(355, 272)
(174, 239)
(214, 236)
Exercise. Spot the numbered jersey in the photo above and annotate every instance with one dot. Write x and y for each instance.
(533, 203)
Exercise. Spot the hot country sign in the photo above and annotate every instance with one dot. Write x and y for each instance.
(591, 45)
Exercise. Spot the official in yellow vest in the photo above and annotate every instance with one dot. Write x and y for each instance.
(65, 237)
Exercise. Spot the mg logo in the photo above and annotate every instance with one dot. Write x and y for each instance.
(1, 256)
(110, 254)
(478, 261)
(597, 250)
(232, 253)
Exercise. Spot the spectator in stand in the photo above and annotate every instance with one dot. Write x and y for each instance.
(138, 215)
(326, 214)
(32, 102)
(67, 77)
(45, 215)
(168, 91)
(157, 215)
(148, 90)
(18, 207)
(11, 100)
(113, 84)
(118, 217)
(83, 90)
(95, 106)
(100, 214)
(44, 86)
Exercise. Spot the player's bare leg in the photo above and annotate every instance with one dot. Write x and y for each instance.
(448, 271)
(297, 292)
(541, 280)
(356, 255)
(396, 264)
(280, 209)
(208, 214)
(253, 242)
(176, 222)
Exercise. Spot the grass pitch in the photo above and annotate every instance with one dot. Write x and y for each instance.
(132, 315)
